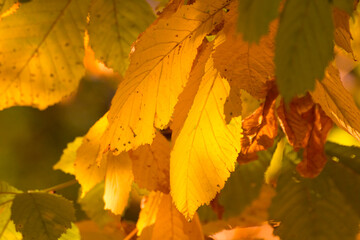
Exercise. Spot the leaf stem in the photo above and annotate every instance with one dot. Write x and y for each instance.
(60, 186)
(131, 234)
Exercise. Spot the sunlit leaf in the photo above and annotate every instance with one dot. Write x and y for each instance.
(263, 231)
(114, 26)
(304, 45)
(7, 227)
(72, 233)
(149, 209)
(151, 165)
(342, 34)
(89, 169)
(93, 205)
(206, 148)
(171, 224)
(255, 16)
(41, 215)
(5, 5)
(162, 55)
(251, 66)
(66, 162)
(337, 102)
(41, 51)
(90, 231)
(345, 5)
(118, 180)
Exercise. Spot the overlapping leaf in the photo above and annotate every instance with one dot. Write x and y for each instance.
(7, 227)
(114, 26)
(41, 215)
(255, 16)
(6, 5)
(41, 51)
(304, 45)
(342, 34)
(315, 208)
(66, 162)
(337, 102)
(169, 222)
(159, 69)
(205, 144)
(151, 165)
(118, 180)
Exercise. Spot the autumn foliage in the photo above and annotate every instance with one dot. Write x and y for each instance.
(219, 122)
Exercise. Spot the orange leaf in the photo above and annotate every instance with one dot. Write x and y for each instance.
(259, 129)
(337, 102)
(246, 66)
(151, 165)
(314, 158)
(342, 34)
(297, 121)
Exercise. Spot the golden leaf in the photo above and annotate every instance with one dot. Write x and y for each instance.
(342, 34)
(149, 210)
(205, 151)
(118, 180)
(151, 165)
(159, 69)
(337, 102)
(87, 170)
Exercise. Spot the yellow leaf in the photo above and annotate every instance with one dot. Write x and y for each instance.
(89, 230)
(41, 51)
(159, 68)
(149, 209)
(170, 223)
(342, 34)
(66, 162)
(337, 102)
(87, 170)
(151, 165)
(118, 180)
(8, 7)
(206, 148)
(251, 66)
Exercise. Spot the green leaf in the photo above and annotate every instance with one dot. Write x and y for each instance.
(7, 228)
(41, 52)
(41, 216)
(344, 169)
(311, 208)
(66, 162)
(93, 205)
(114, 26)
(244, 185)
(255, 17)
(72, 233)
(346, 5)
(5, 5)
(304, 45)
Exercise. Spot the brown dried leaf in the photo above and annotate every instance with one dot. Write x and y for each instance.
(314, 158)
(259, 129)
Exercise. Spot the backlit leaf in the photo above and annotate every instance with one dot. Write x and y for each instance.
(304, 45)
(205, 151)
(345, 5)
(255, 16)
(171, 224)
(342, 34)
(259, 129)
(251, 66)
(337, 102)
(93, 205)
(163, 54)
(118, 180)
(151, 165)
(7, 227)
(114, 26)
(89, 169)
(72, 233)
(90, 231)
(41, 215)
(6, 5)
(66, 162)
(41, 52)
(313, 207)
